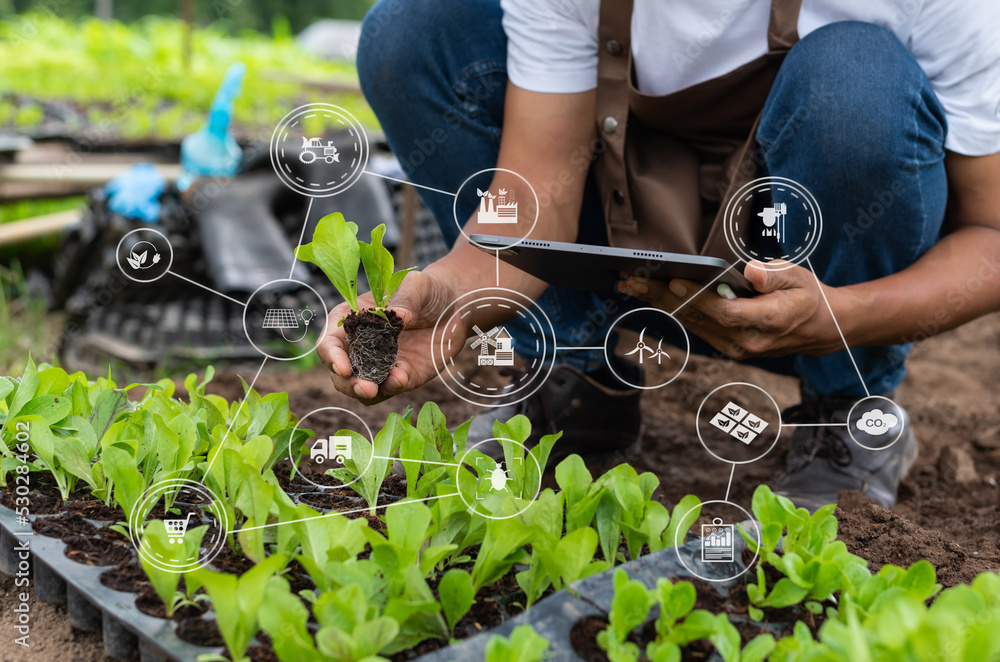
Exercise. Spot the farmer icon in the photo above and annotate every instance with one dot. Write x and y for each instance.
(336, 447)
(176, 528)
(313, 148)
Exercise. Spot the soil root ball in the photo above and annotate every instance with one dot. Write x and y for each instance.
(372, 343)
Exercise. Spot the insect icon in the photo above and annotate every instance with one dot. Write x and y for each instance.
(498, 479)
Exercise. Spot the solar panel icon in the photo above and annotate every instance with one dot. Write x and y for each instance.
(280, 318)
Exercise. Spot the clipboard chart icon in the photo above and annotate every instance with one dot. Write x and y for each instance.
(717, 542)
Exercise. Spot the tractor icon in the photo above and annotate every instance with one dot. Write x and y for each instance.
(336, 447)
(313, 148)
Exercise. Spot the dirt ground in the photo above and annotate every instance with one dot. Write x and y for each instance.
(949, 508)
(51, 636)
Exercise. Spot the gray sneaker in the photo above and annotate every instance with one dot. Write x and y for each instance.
(825, 460)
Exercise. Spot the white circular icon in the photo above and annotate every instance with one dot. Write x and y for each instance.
(494, 480)
(280, 316)
(504, 209)
(475, 370)
(321, 135)
(738, 423)
(333, 451)
(663, 363)
(718, 549)
(194, 520)
(773, 218)
(875, 423)
(144, 255)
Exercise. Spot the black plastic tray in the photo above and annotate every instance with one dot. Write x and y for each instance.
(129, 634)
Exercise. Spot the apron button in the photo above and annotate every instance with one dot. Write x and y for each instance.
(609, 124)
(614, 47)
(619, 196)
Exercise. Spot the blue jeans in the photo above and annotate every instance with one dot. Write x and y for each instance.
(851, 116)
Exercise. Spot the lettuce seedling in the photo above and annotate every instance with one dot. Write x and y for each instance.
(372, 334)
(457, 594)
(370, 471)
(524, 645)
(237, 601)
(159, 544)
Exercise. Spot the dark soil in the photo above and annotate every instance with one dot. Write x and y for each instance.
(950, 393)
(332, 500)
(102, 550)
(44, 498)
(148, 602)
(199, 631)
(882, 537)
(127, 577)
(372, 343)
(229, 561)
(949, 517)
(65, 526)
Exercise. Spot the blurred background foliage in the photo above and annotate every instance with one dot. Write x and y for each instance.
(231, 16)
(117, 79)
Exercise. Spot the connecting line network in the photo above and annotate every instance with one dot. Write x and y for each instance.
(732, 422)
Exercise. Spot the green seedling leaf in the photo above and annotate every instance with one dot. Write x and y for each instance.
(285, 618)
(119, 466)
(334, 249)
(457, 595)
(110, 404)
(378, 264)
(51, 408)
(27, 387)
(158, 544)
(629, 606)
(524, 645)
(237, 601)
(681, 523)
(501, 549)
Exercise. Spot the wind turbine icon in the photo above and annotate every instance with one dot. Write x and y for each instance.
(659, 352)
(641, 347)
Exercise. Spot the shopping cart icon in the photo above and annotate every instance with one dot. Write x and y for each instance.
(176, 528)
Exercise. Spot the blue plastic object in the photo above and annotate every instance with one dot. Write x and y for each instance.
(211, 151)
(136, 193)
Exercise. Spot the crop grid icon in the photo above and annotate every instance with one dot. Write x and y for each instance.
(739, 423)
(280, 318)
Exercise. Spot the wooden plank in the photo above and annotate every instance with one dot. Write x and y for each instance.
(18, 232)
(89, 174)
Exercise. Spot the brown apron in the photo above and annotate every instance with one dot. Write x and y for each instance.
(670, 162)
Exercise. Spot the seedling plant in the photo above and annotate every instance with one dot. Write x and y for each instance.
(373, 333)
(372, 582)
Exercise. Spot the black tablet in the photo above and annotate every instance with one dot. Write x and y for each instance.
(598, 268)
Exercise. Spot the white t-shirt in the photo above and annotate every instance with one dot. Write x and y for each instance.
(553, 46)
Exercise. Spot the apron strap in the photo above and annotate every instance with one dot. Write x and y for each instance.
(783, 28)
(614, 64)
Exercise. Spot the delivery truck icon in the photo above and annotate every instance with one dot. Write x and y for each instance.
(338, 448)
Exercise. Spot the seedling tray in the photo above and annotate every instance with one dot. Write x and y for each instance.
(555, 616)
(128, 633)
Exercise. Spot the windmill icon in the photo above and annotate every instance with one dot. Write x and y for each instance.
(641, 347)
(498, 338)
(660, 352)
